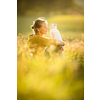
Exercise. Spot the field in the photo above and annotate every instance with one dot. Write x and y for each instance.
(60, 77)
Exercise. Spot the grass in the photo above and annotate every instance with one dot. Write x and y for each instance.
(57, 78)
(60, 77)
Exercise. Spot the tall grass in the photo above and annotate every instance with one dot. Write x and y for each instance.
(60, 77)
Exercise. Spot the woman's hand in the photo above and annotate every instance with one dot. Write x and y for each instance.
(60, 43)
(61, 49)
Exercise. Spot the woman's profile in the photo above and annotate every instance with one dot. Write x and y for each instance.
(37, 41)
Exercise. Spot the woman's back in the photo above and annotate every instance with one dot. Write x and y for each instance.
(40, 41)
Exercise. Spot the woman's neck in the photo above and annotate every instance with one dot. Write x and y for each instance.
(39, 33)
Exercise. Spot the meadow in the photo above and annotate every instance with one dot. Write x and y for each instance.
(60, 77)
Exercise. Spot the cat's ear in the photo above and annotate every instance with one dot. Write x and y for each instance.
(55, 24)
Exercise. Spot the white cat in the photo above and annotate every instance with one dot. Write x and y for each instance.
(54, 32)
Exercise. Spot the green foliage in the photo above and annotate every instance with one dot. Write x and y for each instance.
(60, 77)
(48, 7)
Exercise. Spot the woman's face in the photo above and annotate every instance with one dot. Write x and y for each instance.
(43, 28)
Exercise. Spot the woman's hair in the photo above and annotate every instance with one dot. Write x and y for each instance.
(37, 24)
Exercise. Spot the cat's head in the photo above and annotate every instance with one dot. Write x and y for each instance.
(53, 26)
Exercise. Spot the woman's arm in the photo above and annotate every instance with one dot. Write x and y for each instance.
(49, 42)
(43, 41)
(60, 43)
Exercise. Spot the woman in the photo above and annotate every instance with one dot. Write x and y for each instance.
(37, 41)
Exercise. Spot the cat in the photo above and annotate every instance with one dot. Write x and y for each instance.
(54, 33)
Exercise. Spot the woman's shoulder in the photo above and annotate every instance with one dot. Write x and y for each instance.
(31, 36)
(37, 37)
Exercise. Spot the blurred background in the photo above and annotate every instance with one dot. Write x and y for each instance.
(68, 14)
(49, 7)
